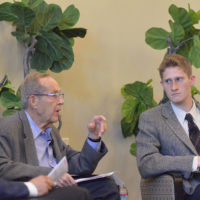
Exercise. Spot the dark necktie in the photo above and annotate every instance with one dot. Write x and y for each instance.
(194, 132)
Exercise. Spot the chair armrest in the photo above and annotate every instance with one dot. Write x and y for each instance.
(165, 186)
(178, 186)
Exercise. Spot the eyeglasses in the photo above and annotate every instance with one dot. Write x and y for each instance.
(57, 95)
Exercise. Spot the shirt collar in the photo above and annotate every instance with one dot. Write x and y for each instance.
(181, 113)
(34, 127)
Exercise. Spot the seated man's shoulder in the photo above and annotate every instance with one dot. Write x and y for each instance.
(153, 111)
(9, 121)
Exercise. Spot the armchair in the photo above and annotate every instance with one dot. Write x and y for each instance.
(163, 187)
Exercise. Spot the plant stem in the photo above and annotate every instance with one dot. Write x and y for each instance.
(29, 51)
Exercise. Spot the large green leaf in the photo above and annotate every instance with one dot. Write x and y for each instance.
(194, 16)
(24, 16)
(128, 108)
(69, 18)
(181, 16)
(68, 57)
(7, 84)
(50, 44)
(141, 91)
(6, 13)
(142, 107)
(55, 48)
(41, 61)
(50, 17)
(20, 36)
(126, 128)
(75, 32)
(9, 100)
(177, 33)
(124, 93)
(36, 24)
(194, 53)
(156, 38)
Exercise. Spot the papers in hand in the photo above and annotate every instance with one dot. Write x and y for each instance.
(59, 170)
(94, 177)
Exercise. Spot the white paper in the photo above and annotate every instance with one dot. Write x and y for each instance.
(61, 168)
(94, 177)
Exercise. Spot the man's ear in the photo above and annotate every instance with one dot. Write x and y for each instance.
(33, 101)
(161, 82)
(192, 79)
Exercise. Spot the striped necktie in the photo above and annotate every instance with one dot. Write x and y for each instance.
(194, 132)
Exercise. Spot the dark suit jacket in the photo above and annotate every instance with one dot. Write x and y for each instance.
(18, 157)
(10, 189)
(163, 146)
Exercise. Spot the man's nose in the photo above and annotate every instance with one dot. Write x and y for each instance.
(174, 85)
(61, 100)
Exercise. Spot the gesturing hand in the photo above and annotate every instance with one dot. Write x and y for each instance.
(97, 127)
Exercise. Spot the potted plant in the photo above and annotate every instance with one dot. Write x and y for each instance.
(47, 34)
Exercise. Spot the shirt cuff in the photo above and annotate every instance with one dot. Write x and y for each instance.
(195, 164)
(95, 145)
(33, 192)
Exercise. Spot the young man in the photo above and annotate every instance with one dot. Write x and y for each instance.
(30, 145)
(164, 141)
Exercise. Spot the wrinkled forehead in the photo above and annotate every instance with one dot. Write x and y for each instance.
(49, 84)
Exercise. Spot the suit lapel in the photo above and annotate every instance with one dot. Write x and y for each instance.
(175, 126)
(31, 155)
(56, 149)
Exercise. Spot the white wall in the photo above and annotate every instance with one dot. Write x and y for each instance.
(112, 54)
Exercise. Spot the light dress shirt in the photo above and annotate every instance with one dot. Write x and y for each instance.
(41, 143)
(180, 114)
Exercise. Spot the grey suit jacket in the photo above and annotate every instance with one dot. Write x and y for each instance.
(18, 157)
(163, 146)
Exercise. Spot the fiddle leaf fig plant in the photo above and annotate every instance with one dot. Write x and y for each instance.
(183, 37)
(45, 31)
(47, 34)
(138, 98)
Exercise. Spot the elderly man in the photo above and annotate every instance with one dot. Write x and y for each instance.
(30, 145)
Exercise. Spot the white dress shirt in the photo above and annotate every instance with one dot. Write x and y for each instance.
(180, 114)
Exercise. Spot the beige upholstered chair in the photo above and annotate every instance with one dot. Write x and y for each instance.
(163, 187)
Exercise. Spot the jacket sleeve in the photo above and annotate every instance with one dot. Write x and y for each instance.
(10, 189)
(82, 162)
